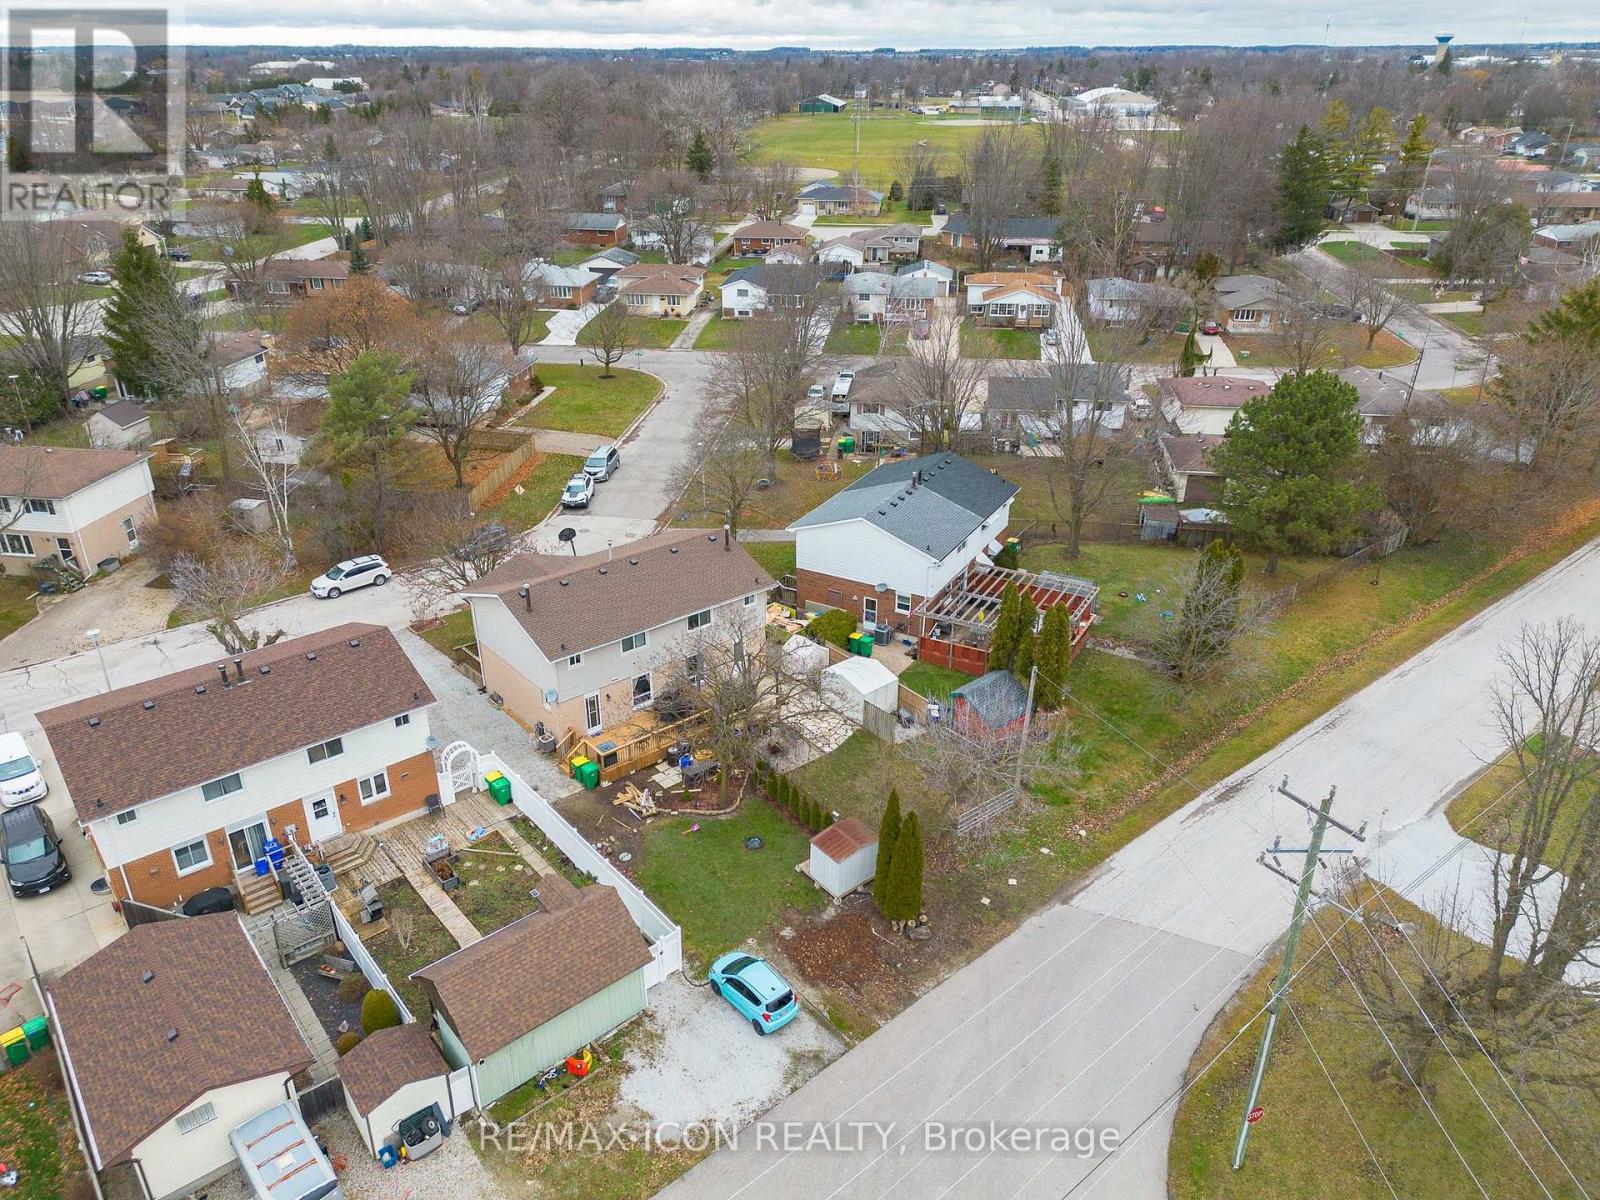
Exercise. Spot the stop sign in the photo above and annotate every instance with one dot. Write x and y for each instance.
(1255, 1114)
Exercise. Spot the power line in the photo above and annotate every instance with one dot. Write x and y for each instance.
(1338, 1095)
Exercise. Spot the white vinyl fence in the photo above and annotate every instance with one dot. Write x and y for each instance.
(664, 936)
(364, 960)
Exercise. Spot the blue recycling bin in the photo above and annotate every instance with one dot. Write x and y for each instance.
(274, 852)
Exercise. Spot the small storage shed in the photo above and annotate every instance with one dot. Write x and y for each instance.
(802, 656)
(843, 857)
(856, 682)
(991, 707)
(121, 425)
(391, 1075)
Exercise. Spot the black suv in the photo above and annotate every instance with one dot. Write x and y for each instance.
(32, 851)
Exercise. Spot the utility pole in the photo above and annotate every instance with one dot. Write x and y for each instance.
(1280, 987)
(1022, 746)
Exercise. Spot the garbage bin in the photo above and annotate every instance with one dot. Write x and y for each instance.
(16, 1046)
(847, 444)
(864, 646)
(853, 643)
(586, 771)
(37, 1031)
(499, 787)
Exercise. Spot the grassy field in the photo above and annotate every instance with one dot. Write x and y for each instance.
(720, 892)
(427, 940)
(541, 490)
(717, 335)
(1307, 1147)
(795, 491)
(37, 1136)
(1348, 348)
(776, 558)
(976, 341)
(1499, 828)
(654, 333)
(1471, 324)
(482, 326)
(828, 140)
(932, 680)
(854, 337)
(583, 402)
(1399, 266)
(1112, 344)
(494, 892)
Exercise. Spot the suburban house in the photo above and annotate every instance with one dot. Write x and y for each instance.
(1117, 301)
(577, 645)
(1546, 274)
(849, 252)
(1384, 396)
(169, 1039)
(1554, 208)
(898, 536)
(1533, 144)
(1022, 299)
(597, 229)
(1026, 410)
(532, 993)
(239, 358)
(180, 781)
(1250, 303)
(1205, 403)
(82, 506)
(763, 237)
(1033, 238)
(120, 425)
(606, 263)
(285, 280)
(991, 707)
(1577, 236)
(868, 246)
(556, 286)
(877, 417)
(923, 268)
(826, 198)
(1185, 461)
(1431, 204)
(876, 297)
(749, 290)
(822, 103)
(660, 291)
(613, 198)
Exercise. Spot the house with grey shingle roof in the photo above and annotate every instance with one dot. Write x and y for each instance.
(899, 535)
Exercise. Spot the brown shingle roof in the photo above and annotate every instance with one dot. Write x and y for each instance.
(1212, 391)
(137, 753)
(207, 985)
(229, 347)
(296, 269)
(55, 472)
(124, 414)
(1190, 454)
(648, 280)
(842, 839)
(771, 230)
(385, 1061)
(576, 604)
(516, 979)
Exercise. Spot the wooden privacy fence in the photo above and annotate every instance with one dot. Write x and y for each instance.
(518, 448)
(135, 913)
(322, 1100)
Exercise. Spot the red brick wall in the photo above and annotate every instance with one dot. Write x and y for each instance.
(833, 591)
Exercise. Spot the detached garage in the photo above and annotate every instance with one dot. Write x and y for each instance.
(392, 1075)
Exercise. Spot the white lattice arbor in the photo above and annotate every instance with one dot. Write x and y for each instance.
(459, 764)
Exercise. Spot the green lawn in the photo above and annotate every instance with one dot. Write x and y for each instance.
(855, 779)
(36, 1133)
(1353, 252)
(496, 884)
(426, 941)
(932, 680)
(795, 491)
(654, 333)
(541, 491)
(584, 402)
(776, 558)
(828, 140)
(287, 237)
(1471, 324)
(484, 327)
(854, 337)
(719, 892)
(1499, 828)
(1113, 344)
(17, 605)
(977, 341)
(1347, 348)
(456, 630)
(66, 431)
(717, 335)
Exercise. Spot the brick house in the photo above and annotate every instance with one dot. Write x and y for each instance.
(285, 280)
(180, 780)
(762, 237)
(79, 505)
(660, 291)
(555, 286)
(597, 229)
(580, 644)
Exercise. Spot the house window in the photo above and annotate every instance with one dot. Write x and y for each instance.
(328, 749)
(633, 642)
(642, 692)
(574, 660)
(41, 506)
(129, 532)
(218, 788)
(402, 719)
(127, 816)
(902, 604)
(373, 787)
(191, 857)
(694, 670)
(1247, 314)
(749, 601)
(700, 619)
(277, 288)
(190, 1121)
(259, 359)
(316, 285)
(65, 552)
(591, 713)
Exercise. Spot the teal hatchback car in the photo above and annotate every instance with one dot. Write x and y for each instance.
(756, 991)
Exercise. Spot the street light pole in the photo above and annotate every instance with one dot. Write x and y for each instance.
(94, 636)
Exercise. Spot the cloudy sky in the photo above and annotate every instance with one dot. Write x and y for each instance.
(857, 24)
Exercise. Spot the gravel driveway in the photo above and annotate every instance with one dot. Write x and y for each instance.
(710, 1065)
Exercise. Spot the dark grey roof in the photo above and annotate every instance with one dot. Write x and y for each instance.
(1013, 227)
(774, 278)
(952, 498)
(996, 697)
(847, 192)
(124, 414)
(1009, 391)
(594, 222)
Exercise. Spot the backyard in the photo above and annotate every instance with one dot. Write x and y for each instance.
(496, 884)
(17, 606)
(584, 402)
(36, 1133)
(981, 342)
(414, 939)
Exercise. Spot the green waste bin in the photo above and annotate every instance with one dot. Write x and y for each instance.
(16, 1044)
(99, 391)
(37, 1031)
(847, 444)
(586, 771)
(865, 645)
(499, 787)
(853, 643)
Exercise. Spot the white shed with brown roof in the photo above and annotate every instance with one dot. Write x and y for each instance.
(843, 857)
(120, 425)
(393, 1074)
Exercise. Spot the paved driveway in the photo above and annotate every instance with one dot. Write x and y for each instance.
(120, 605)
(565, 324)
(1089, 1013)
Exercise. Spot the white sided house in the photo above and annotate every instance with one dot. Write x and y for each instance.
(180, 781)
(898, 536)
(577, 645)
(82, 506)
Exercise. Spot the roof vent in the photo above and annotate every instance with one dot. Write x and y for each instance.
(672, 549)
(311, 656)
(94, 722)
(148, 705)
(633, 562)
(566, 582)
(711, 537)
(172, 1035)
(602, 570)
(355, 643)
(199, 689)
(264, 669)
(147, 977)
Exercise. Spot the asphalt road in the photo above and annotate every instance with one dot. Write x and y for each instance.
(1087, 1016)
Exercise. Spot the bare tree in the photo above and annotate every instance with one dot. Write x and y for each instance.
(939, 385)
(330, 193)
(1550, 389)
(248, 243)
(1305, 332)
(1367, 292)
(958, 771)
(608, 335)
(727, 462)
(44, 310)
(1213, 612)
(458, 386)
(998, 172)
(452, 547)
(671, 217)
(221, 581)
(257, 431)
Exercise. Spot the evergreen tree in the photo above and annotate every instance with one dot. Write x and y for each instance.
(1302, 190)
(896, 192)
(888, 834)
(1190, 358)
(699, 159)
(1008, 630)
(1446, 63)
(378, 1011)
(365, 229)
(1373, 139)
(144, 306)
(1028, 646)
(1414, 152)
(1208, 620)
(1576, 320)
(902, 899)
(1050, 182)
(360, 263)
(1053, 657)
(255, 192)
(1337, 147)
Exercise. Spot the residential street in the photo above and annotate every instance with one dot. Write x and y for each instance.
(1088, 1014)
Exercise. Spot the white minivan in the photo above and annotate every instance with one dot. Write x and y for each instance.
(21, 781)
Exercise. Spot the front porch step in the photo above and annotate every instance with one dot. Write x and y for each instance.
(349, 852)
(258, 893)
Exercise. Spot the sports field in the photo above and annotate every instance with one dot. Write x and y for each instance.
(828, 140)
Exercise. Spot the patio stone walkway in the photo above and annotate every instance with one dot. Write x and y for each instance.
(259, 927)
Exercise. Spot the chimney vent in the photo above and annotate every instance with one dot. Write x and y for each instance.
(602, 570)
(633, 562)
(311, 656)
(355, 643)
(264, 669)
(238, 669)
(94, 722)
(527, 596)
(727, 538)
(147, 977)
(672, 549)
(148, 705)
(566, 582)
(222, 669)
(172, 1035)
(199, 689)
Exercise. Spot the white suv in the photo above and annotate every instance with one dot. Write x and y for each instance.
(352, 573)
(21, 781)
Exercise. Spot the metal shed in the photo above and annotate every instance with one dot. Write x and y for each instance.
(802, 656)
(851, 685)
(843, 857)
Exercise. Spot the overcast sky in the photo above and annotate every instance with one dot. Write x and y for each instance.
(756, 24)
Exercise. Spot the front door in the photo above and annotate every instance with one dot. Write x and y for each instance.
(245, 844)
(322, 817)
(869, 611)
(66, 552)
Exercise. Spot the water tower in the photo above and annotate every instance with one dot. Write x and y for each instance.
(1442, 46)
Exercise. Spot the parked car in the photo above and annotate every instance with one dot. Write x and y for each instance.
(352, 573)
(842, 382)
(1209, 328)
(1051, 336)
(756, 991)
(602, 464)
(180, 254)
(102, 278)
(578, 492)
(465, 308)
(32, 851)
(21, 781)
(815, 393)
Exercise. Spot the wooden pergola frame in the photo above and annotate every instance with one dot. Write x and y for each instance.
(969, 603)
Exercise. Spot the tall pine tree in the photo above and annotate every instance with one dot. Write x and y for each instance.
(1053, 656)
(888, 834)
(1028, 643)
(144, 305)
(699, 159)
(1303, 183)
(1008, 630)
(902, 900)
